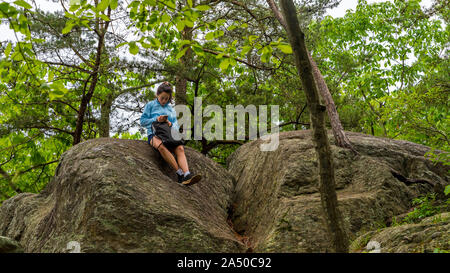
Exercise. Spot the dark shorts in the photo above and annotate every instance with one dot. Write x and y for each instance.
(149, 138)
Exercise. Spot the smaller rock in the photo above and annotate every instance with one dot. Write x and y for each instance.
(8, 245)
(435, 235)
(425, 237)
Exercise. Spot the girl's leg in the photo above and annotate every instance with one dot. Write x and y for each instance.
(165, 153)
(181, 158)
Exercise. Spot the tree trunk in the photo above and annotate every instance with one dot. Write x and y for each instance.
(326, 169)
(185, 64)
(338, 131)
(105, 111)
(180, 90)
(336, 125)
(94, 75)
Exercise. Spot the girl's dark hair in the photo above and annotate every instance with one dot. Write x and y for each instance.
(165, 87)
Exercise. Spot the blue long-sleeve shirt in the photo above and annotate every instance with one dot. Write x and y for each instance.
(153, 110)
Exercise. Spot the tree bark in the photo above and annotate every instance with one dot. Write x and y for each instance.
(94, 75)
(336, 125)
(323, 150)
(185, 64)
(105, 111)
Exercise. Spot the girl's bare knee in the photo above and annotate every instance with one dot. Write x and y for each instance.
(179, 148)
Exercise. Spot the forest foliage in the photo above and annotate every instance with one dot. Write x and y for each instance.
(88, 70)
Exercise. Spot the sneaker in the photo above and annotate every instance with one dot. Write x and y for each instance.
(191, 179)
(180, 178)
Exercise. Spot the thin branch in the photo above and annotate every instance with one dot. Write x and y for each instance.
(277, 13)
(37, 166)
(68, 65)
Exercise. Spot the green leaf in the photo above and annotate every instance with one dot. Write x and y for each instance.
(134, 49)
(189, 23)
(74, 8)
(232, 27)
(252, 38)
(153, 20)
(265, 57)
(447, 190)
(224, 64)
(70, 15)
(145, 45)
(57, 90)
(165, 18)
(17, 56)
(221, 22)
(23, 4)
(102, 5)
(121, 44)
(267, 49)
(67, 28)
(50, 77)
(184, 42)
(219, 33)
(246, 49)
(211, 26)
(104, 17)
(182, 52)
(114, 4)
(285, 48)
(8, 49)
(155, 43)
(56, 94)
(209, 36)
(180, 25)
(198, 50)
(189, 2)
(202, 7)
(171, 4)
(4, 7)
(37, 158)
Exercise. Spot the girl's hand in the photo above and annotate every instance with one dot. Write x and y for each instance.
(170, 123)
(160, 119)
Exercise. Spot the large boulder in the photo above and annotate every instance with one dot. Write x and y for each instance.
(112, 195)
(277, 203)
(432, 234)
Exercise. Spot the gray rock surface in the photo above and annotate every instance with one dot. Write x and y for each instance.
(432, 233)
(111, 195)
(277, 204)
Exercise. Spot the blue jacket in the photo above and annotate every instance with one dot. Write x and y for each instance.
(153, 110)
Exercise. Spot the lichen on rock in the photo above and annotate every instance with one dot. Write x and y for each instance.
(277, 203)
(113, 195)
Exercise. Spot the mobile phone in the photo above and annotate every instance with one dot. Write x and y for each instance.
(164, 117)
